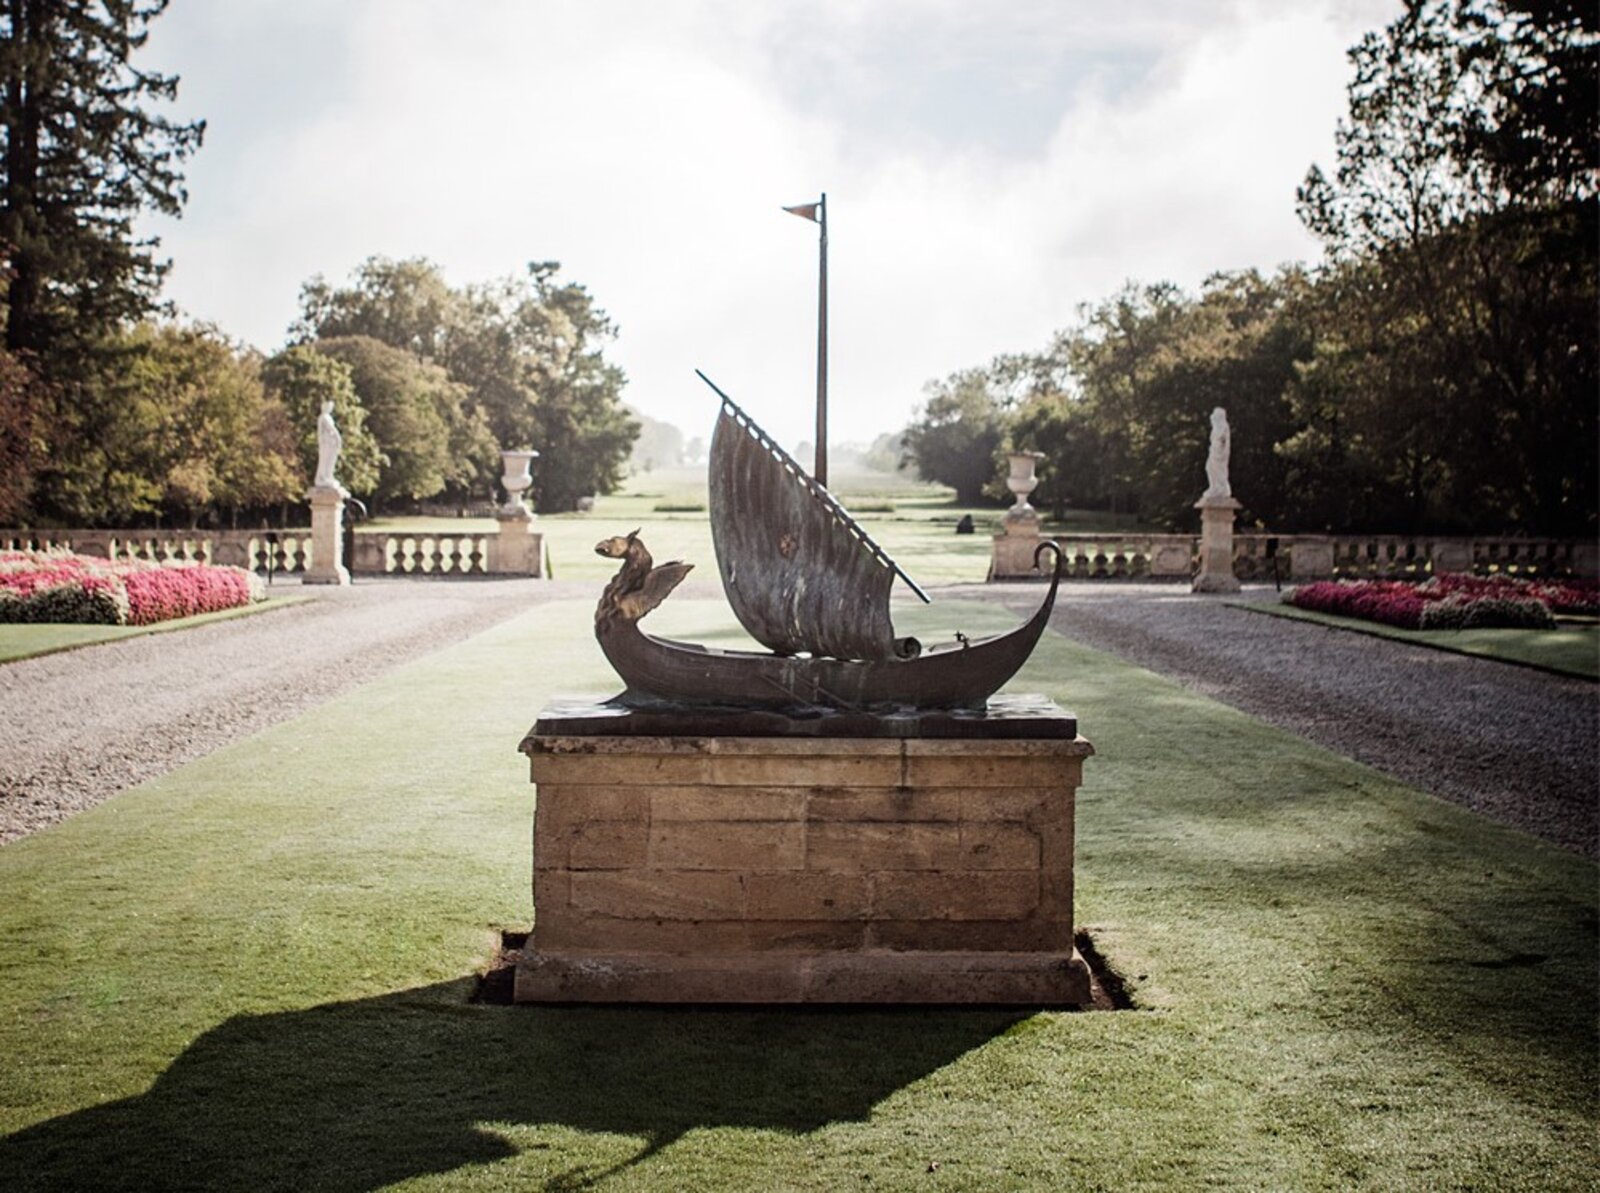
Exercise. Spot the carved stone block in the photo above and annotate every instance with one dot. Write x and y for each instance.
(739, 869)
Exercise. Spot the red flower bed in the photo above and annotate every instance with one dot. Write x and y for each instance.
(1392, 602)
(1451, 601)
(57, 586)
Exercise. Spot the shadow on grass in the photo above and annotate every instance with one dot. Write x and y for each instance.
(356, 1096)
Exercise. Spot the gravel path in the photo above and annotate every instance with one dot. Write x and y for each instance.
(1439, 721)
(78, 727)
(1518, 745)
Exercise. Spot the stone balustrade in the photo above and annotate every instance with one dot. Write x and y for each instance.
(1115, 557)
(378, 553)
(289, 551)
(255, 550)
(1120, 556)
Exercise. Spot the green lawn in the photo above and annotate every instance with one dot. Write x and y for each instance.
(25, 641)
(253, 974)
(1566, 650)
(913, 521)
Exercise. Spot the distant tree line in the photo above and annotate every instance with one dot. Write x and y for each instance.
(1439, 370)
(113, 413)
(659, 445)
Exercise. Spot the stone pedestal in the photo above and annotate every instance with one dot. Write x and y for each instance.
(327, 537)
(231, 552)
(1310, 557)
(1171, 557)
(517, 550)
(1014, 546)
(1216, 545)
(788, 862)
(1451, 555)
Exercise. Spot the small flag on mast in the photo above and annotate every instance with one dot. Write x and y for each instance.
(806, 211)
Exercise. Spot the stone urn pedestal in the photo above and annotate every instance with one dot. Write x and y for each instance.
(327, 537)
(1019, 537)
(1216, 545)
(686, 856)
(517, 549)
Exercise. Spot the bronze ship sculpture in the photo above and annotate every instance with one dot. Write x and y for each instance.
(806, 581)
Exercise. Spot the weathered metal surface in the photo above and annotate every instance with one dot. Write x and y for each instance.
(659, 671)
(1005, 718)
(801, 574)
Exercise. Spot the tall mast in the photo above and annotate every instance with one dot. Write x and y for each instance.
(818, 213)
(821, 470)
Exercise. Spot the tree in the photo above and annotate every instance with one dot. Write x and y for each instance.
(1371, 452)
(172, 423)
(82, 156)
(18, 450)
(1536, 127)
(1462, 238)
(957, 436)
(529, 349)
(659, 445)
(884, 454)
(1149, 364)
(302, 379)
(1073, 471)
(409, 405)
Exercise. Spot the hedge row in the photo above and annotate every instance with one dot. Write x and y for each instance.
(1451, 602)
(58, 586)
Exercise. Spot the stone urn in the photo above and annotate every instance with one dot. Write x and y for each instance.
(517, 476)
(1022, 481)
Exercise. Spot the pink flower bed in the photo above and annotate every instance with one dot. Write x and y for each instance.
(161, 594)
(58, 586)
(1452, 601)
(1392, 602)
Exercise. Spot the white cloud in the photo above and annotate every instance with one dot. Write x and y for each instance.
(648, 147)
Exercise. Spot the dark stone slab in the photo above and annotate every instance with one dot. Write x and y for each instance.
(1006, 717)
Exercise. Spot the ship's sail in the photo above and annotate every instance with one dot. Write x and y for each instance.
(801, 574)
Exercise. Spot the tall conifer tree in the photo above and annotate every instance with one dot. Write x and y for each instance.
(81, 155)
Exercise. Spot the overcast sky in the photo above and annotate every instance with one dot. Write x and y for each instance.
(988, 168)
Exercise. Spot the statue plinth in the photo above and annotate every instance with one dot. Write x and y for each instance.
(327, 536)
(517, 549)
(734, 856)
(1021, 519)
(1217, 513)
(1012, 556)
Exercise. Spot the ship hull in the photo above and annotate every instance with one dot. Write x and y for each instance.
(964, 676)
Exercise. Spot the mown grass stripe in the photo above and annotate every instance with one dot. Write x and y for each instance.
(255, 971)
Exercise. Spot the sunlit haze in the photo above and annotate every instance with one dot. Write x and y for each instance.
(988, 168)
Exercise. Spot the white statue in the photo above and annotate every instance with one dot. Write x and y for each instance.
(1217, 459)
(329, 441)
